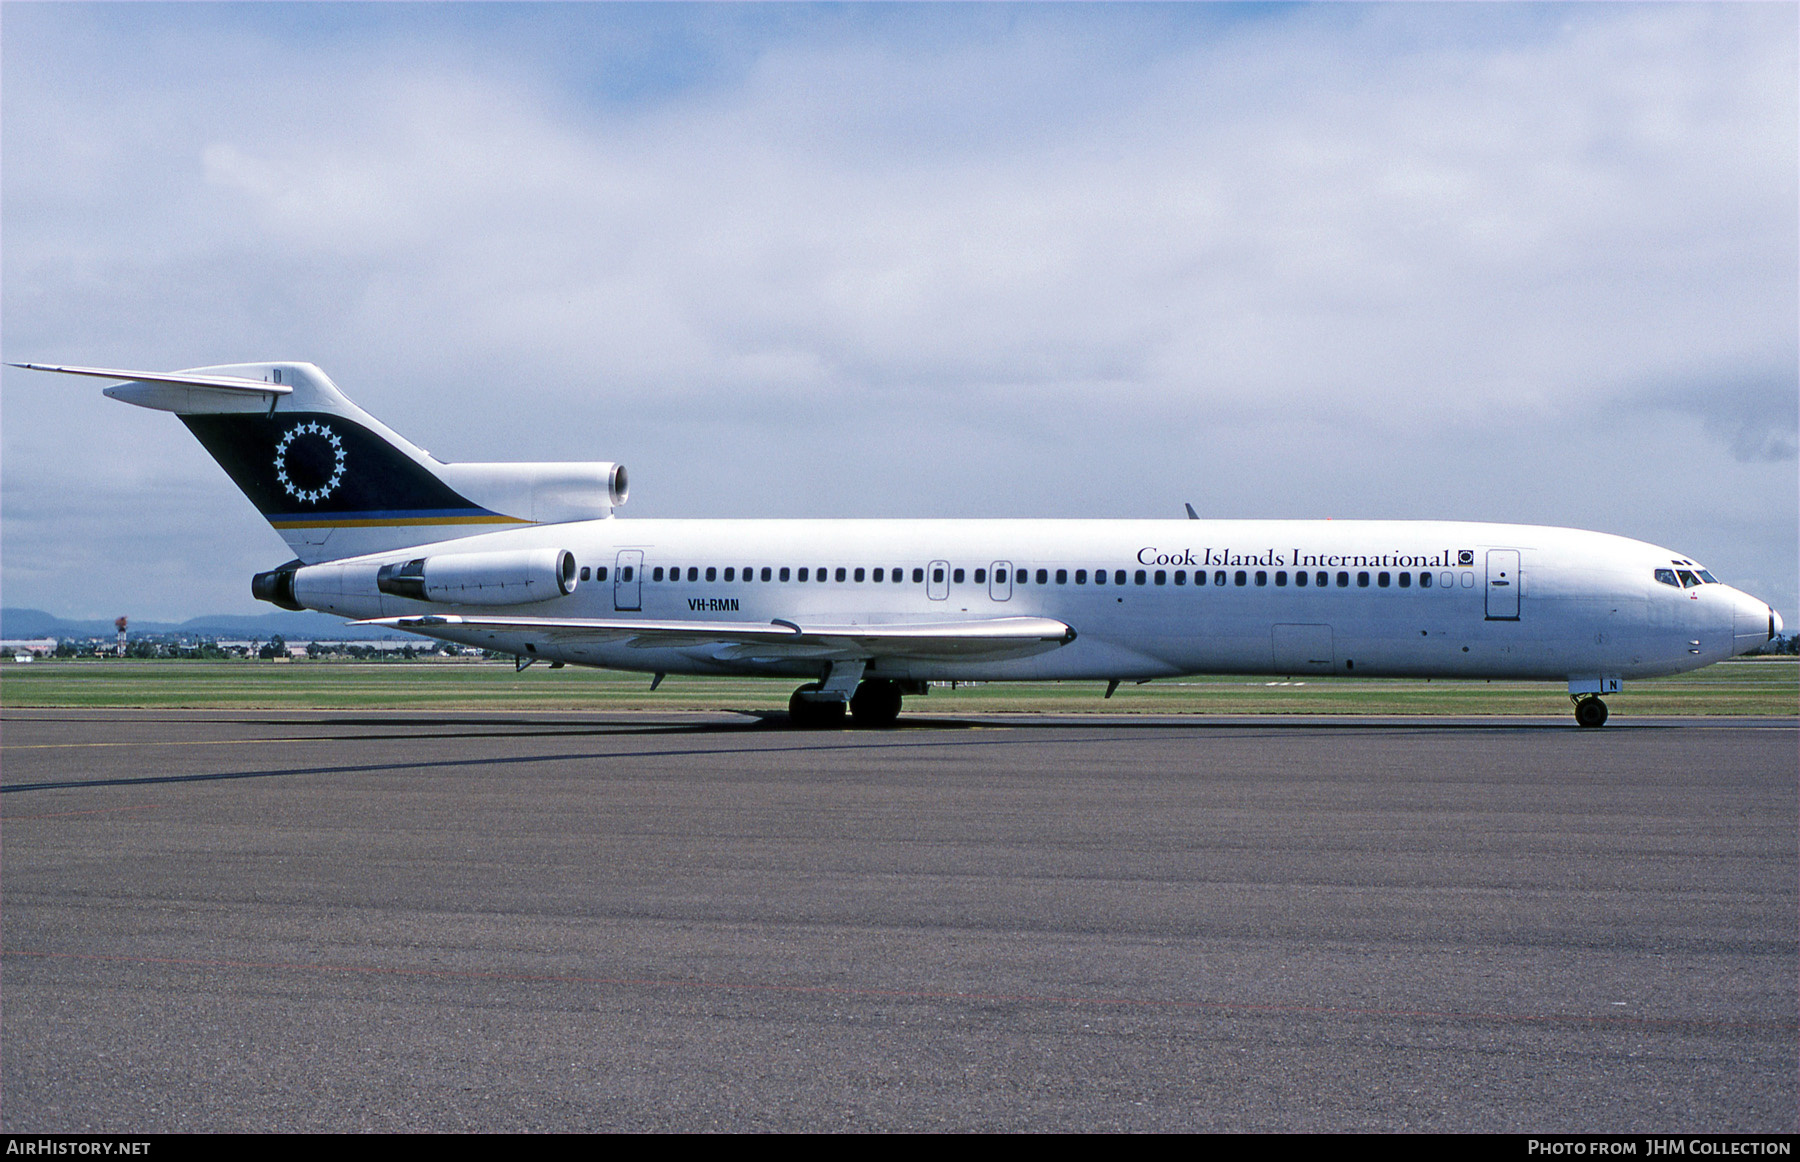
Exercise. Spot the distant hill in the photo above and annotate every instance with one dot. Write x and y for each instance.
(295, 627)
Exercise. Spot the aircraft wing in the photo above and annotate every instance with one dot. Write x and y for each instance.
(988, 638)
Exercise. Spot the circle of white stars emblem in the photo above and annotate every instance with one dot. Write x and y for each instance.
(337, 466)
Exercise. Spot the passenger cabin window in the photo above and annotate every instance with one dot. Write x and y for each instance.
(919, 575)
(877, 575)
(625, 573)
(841, 573)
(1081, 576)
(1043, 576)
(1262, 578)
(1099, 576)
(600, 572)
(784, 572)
(1141, 577)
(1240, 579)
(858, 575)
(956, 575)
(584, 572)
(1219, 578)
(1281, 579)
(981, 576)
(1343, 580)
(1424, 580)
(1118, 576)
(1299, 579)
(1062, 576)
(656, 574)
(1382, 579)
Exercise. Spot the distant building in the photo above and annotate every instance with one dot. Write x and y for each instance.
(44, 646)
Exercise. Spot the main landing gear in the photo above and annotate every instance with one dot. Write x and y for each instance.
(811, 714)
(1590, 711)
(875, 703)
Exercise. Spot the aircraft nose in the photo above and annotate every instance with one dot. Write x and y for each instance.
(1753, 622)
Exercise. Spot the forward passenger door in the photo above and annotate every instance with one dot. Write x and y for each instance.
(1503, 585)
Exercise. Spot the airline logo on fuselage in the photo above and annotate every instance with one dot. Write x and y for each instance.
(1229, 558)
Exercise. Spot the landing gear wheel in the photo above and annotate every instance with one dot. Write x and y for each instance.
(810, 715)
(1590, 712)
(876, 702)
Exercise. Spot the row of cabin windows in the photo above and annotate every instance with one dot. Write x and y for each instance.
(1240, 578)
(1262, 577)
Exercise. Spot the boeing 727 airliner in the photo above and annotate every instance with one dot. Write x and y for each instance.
(528, 559)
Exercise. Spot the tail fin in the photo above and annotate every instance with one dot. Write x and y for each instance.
(336, 482)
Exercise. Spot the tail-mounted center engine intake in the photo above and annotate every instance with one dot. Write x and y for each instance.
(508, 578)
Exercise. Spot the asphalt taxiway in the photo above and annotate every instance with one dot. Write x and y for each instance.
(538, 921)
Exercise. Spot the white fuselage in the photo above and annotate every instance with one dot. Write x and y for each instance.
(1379, 598)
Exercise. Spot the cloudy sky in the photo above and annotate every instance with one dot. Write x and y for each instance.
(1520, 263)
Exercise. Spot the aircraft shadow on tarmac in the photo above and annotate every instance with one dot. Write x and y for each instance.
(426, 726)
(404, 727)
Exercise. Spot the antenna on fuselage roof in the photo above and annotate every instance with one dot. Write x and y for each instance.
(1192, 515)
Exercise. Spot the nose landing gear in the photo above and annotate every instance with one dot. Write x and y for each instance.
(1590, 711)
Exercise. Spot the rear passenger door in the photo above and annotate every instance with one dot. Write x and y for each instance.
(628, 580)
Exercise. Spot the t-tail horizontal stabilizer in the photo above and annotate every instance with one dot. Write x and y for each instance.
(335, 481)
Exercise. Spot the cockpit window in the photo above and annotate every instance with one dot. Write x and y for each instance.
(1667, 577)
(1688, 580)
(1708, 577)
